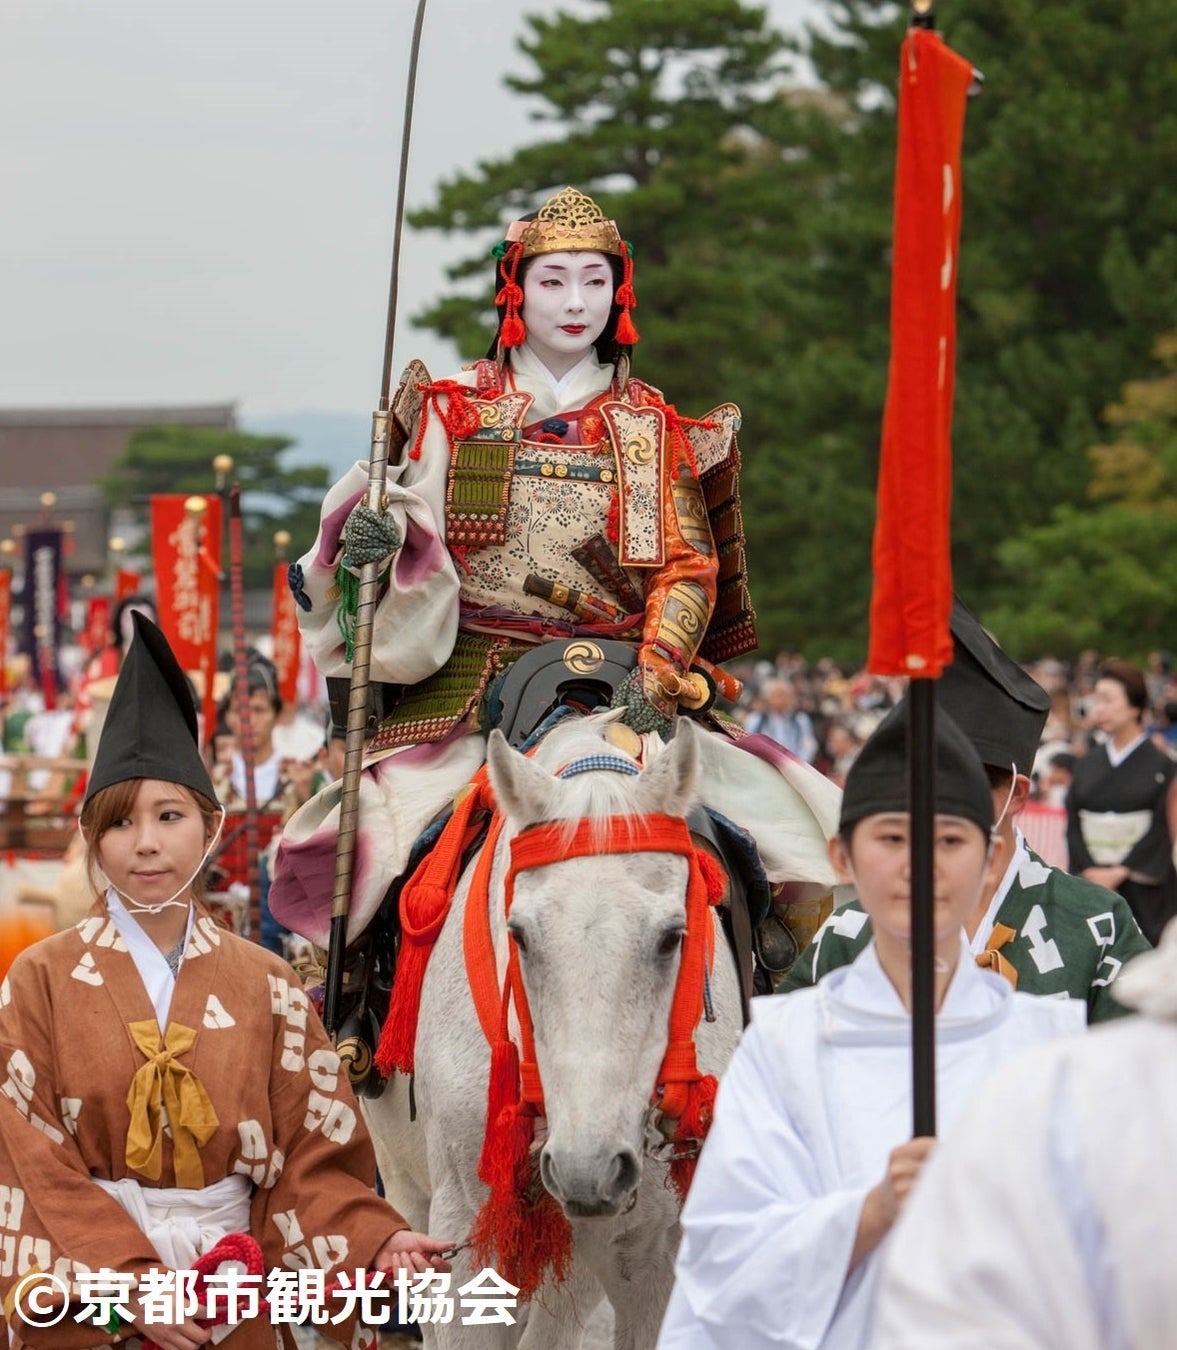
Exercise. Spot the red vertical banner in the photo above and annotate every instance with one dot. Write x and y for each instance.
(5, 623)
(126, 583)
(909, 632)
(186, 554)
(287, 644)
(98, 620)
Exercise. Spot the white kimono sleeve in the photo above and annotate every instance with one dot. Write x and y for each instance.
(416, 619)
(765, 1250)
(998, 1247)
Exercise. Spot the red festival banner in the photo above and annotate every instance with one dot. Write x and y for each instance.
(5, 621)
(186, 553)
(98, 621)
(909, 632)
(126, 583)
(286, 637)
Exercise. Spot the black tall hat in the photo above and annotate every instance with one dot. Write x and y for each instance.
(990, 697)
(877, 782)
(150, 729)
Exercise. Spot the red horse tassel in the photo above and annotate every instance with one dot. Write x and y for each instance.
(520, 1227)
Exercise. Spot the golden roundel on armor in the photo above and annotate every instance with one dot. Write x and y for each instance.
(356, 1057)
(507, 434)
(582, 658)
(547, 470)
(561, 470)
(489, 415)
(639, 449)
(607, 475)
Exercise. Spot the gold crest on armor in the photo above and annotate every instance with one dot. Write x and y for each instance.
(582, 658)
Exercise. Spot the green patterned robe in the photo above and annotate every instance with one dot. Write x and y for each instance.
(1071, 937)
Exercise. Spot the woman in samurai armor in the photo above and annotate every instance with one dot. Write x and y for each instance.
(543, 494)
(168, 1093)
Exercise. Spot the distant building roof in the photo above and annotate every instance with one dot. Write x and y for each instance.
(70, 447)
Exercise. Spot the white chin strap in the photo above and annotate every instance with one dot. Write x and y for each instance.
(140, 908)
(1013, 785)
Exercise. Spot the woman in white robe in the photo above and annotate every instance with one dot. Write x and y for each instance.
(809, 1159)
(1047, 1220)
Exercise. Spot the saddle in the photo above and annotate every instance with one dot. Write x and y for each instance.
(549, 682)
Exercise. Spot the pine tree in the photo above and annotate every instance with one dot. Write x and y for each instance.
(1106, 574)
(178, 459)
(761, 215)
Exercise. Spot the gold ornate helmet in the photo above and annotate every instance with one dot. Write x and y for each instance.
(568, 222)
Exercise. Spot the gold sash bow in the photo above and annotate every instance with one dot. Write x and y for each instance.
(992, 959)
(164, 1085)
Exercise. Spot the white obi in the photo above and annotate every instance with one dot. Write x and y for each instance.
(1111, 835)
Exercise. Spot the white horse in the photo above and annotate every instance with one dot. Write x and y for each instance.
(600, 942)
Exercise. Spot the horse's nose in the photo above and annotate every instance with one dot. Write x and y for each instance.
(586, 1187)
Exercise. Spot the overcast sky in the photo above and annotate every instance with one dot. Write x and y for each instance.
(198, 194)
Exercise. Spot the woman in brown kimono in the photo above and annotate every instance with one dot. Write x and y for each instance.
(165, 1083)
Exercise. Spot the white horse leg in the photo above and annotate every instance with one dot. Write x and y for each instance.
(633, 1258)
(558, 1316)
(400, 1152)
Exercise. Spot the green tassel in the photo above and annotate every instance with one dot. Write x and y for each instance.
(349, 607)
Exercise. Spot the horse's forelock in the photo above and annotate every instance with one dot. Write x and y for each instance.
(599, 793)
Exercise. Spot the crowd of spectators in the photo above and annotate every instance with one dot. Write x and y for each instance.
(824, 712)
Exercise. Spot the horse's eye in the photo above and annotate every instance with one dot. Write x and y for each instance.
(517, 933)
(671, 940)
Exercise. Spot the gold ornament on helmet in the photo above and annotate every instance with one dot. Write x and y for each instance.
(568, 222)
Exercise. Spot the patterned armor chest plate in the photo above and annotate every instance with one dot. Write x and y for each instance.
(522, 498)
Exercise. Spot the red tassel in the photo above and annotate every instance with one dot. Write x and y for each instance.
(626, 334)
(513, 333)
(502, 1097)
(424, 907)
(520, 1230)
(512, 330)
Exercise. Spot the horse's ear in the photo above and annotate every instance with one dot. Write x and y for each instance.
(668, 785)
(522, 789)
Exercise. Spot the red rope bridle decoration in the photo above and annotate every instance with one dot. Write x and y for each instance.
(521, 1226)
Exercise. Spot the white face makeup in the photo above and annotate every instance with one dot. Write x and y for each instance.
(566, 303)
